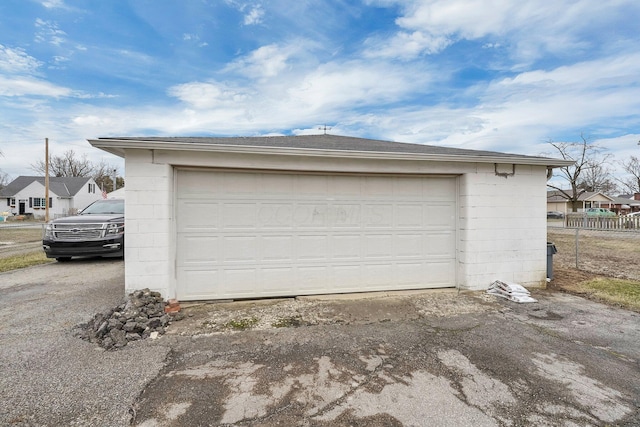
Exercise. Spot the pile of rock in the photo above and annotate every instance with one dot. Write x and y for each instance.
(141, 315)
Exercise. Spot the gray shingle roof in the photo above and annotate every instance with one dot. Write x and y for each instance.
(319, 142)
(60, 186)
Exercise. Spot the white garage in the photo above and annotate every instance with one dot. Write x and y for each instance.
(229, 218)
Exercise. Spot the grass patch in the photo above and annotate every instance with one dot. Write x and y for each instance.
(625, 293)
(242, 324)
(24, 260)
(20, 235)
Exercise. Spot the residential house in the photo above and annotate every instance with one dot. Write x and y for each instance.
(556, 201)
(624, 204)
(26, 195)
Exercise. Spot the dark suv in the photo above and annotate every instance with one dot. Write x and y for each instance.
(98, 230)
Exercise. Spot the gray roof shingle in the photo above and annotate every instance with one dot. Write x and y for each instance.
(321, 142)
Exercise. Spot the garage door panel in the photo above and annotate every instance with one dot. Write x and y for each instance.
(311, 247)
(377, 216)
(439, 273)
(279, 234)
(411, 187)
(439, 189)
(313, 278)
(409, 246)
(306, 186)
(410, 274)
(378, 187)
(439, 216)
(277, 185)
(378, 246)
(348, 276)
(378, 275)
(239, 215)
(201, 283)
(239, 249)
(238, 184)
(346, 246)
(440, 245)
(240, 281)
(275, 216)
(198, 215)
(277, 248)
(198, 249)
(409, 215)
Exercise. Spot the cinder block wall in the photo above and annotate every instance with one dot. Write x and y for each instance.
(502, 227)
(148, 221)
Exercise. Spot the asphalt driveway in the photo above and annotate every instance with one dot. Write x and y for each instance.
(435, 358)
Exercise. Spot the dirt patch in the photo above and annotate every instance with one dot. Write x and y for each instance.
(566, 279)
(229, 317)
(602, 252)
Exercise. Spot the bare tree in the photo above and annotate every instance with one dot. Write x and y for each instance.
(598, 177)
(4, 179)
(70, 165)
(632, 182)
(66, 165)
(585, 174)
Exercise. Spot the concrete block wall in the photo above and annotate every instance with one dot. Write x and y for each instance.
(502, 227)
(148, 220)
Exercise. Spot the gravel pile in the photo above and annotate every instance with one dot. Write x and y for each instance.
(141, 315)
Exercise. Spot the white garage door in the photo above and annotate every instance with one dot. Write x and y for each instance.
(242, 234)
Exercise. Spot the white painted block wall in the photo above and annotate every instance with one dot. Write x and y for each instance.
(502, 227)
(148, 221)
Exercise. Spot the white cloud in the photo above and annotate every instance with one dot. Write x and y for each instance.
(17, 61)
(31, 87)
(254, 16)
(48, 32)
(52, 4)
(405, 45)
(534, 26)
(264, 62)
(205, 95)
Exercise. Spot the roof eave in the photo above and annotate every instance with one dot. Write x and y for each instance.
(118, 147)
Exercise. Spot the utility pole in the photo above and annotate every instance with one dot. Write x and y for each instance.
(114, 179)
(46, 179)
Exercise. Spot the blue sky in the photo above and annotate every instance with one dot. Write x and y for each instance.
(497, 75)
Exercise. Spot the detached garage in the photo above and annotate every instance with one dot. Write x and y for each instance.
(228, 218)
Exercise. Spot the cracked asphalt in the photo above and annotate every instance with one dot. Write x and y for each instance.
(422, 359)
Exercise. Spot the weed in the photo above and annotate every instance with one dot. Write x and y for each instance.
(242, 324)
(288, 322)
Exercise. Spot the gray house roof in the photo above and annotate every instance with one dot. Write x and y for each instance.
(321, 145)
(556, 195)
(60, 186)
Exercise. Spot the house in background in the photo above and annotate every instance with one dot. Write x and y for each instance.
(624, 204)
(255, 217)
(116, 194)
(26, 196)
(556, 201)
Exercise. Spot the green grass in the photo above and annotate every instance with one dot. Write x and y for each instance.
(625, 293)
(24, 260)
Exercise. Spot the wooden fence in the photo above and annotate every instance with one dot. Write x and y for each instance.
(580, 220)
